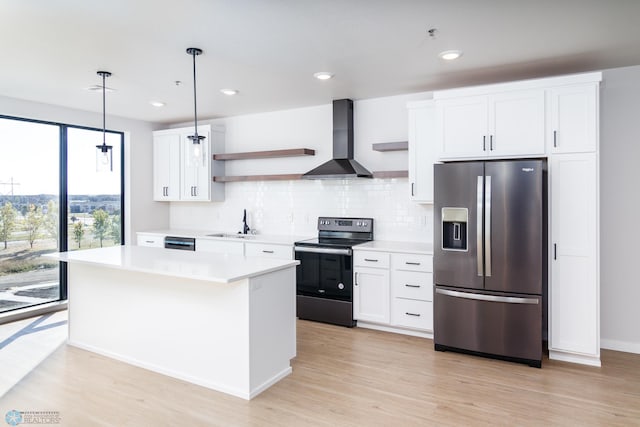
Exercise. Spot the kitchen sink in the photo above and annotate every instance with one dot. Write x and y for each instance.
(231, 235)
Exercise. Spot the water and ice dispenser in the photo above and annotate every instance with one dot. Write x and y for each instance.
(454, 229)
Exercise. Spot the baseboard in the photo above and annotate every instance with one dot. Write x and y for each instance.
(625, 346)
(575, 358)
(395, 330)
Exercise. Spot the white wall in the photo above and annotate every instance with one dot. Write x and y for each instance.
(620, 209)
(141, 213)
(292, 207)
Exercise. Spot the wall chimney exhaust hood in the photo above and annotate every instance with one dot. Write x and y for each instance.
(342, 165)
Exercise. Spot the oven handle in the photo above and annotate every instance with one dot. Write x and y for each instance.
(322, 250)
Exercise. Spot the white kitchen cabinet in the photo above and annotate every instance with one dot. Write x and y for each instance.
(268, 250)
(150, 240)
(371, 294)
(177, 177)
(493, 125)
(166, 166)
(220, 246)
(574, 288)
(412, 291)
(422, 149)
(573, 118)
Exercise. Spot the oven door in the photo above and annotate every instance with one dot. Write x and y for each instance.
(324, 273)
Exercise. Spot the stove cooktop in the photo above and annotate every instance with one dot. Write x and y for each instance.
(330, 242)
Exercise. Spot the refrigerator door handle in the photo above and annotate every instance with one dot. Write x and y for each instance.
(487, 227)
(483, 297)
(479, 198)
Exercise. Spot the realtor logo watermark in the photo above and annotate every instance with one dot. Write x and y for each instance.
(14, 418)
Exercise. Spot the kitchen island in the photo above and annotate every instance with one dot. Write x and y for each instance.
(226, 322)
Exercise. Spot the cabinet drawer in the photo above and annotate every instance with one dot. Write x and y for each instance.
(371, 259)
(413, 285)
(412, 262)
(412, 314)
(219, 246)
(267, 250)
(152, 240)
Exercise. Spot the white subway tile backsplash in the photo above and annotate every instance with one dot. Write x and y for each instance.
(293, 207)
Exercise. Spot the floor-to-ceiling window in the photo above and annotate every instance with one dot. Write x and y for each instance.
(52, 199)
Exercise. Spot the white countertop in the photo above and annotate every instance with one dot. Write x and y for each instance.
(276, 239)
(393, 246)
(222, 268)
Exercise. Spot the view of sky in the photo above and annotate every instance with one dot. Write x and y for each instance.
(29, 157)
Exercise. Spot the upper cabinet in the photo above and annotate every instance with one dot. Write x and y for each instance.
(177, 175)
(422, 149)
(573, 118)
(494, 125)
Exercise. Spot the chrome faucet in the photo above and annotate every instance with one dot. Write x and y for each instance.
(245, 227)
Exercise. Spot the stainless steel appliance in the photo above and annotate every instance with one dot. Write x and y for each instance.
(325, 274)
(181, 243)
(490, 258)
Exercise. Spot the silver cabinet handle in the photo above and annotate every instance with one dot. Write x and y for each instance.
(555, 138)
(484, 142)
(370, 260)
(412, 314)
(412, 189)
(355, 280)
(491, 142)
(479, 200)
(413, 263)
(267, 252)
(149, 241)
(411, 286)
(487, 228)
(483, 297)
(555, 252)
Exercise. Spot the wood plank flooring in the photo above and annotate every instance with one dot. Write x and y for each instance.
(343, 377)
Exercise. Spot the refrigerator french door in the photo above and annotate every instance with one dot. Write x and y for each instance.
(490, 258)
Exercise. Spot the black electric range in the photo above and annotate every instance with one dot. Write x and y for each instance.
(324, 278)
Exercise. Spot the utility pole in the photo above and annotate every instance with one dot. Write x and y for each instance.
(11, 183)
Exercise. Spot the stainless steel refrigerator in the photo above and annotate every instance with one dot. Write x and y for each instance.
(490, 259)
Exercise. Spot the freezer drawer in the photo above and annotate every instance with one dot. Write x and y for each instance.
(507, 327)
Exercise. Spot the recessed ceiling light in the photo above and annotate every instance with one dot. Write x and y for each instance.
(98, 88)
(229, 92)
(323, 75)
(157, 103)
(450, 55)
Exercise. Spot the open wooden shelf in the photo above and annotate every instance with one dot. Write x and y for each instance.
(241, 178)
(265, 154)
(391, 146)
(390, 174)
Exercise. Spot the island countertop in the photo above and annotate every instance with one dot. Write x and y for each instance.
(221, 268)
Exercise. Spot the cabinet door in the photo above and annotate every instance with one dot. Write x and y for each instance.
(196, 174)
(166, 166)
(574, 119)
(266, 250)
(422, 150)
(150, 240)
(461, 127)
(574, 287)
(516, 123)
(220, 246)
(371, 295)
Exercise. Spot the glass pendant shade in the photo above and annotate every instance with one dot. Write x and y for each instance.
(104, 158)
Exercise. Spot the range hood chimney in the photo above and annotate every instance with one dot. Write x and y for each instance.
(342, 165)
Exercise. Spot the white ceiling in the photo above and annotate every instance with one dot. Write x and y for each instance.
(269, 49)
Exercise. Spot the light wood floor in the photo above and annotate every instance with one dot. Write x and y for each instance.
(342, 377)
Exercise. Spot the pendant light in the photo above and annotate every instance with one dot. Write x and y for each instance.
(197, 152)
(104, 152)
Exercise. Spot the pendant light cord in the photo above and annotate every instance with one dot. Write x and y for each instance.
(104, 112)
(195, 100)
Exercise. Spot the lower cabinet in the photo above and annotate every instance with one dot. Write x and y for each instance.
(220, 246)
(151, 240)
(393, 291)
(268, 250)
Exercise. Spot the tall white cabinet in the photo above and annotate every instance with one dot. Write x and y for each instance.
(422, 149)
(176, 176)
(556, 118)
